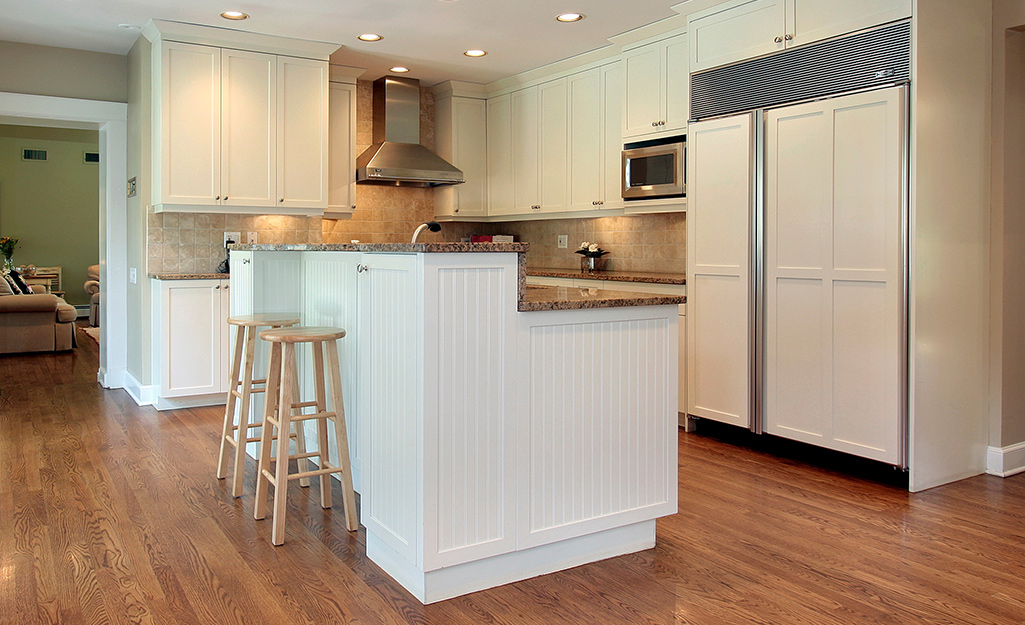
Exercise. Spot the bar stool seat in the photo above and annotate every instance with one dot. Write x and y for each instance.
(279, 412)
(241, 390)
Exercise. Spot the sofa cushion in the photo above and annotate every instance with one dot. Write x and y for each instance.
(10, 283)
(29, 303)
(5, 288)
(18, 281)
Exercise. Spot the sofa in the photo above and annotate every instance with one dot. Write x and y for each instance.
(92, 287)
(37, 322)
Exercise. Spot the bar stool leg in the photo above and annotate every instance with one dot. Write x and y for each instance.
(281, 462)
(229, 409)
(244, 426)
(300, 430)
(341, 437)
(322, 444)
(273, 381)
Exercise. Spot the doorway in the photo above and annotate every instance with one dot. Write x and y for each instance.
(110, 120)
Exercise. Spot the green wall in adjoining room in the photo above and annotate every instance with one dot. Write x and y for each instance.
(52, 207)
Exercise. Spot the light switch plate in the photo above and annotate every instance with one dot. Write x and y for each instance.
(133, 275)
(563, 241)
(232, 236)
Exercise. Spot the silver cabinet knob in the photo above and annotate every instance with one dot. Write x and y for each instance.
(218, 287)
(788, 37)
(353, 207)
(245, 261)
(362, 268)
(778, 40)
(218, 198)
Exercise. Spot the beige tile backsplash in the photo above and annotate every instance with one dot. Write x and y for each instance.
(193, 242)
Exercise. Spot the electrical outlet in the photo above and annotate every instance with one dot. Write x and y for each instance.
(563, 241)
(234, 237)
(251, 238)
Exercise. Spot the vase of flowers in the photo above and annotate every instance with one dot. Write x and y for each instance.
(7, 245)
(592, 259)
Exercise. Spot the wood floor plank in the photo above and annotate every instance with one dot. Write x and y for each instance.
(111, 513)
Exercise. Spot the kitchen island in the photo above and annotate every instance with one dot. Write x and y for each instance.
(497, 431)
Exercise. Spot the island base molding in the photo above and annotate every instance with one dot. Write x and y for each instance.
(461, 579)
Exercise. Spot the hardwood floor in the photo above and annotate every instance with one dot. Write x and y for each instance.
(110, 513)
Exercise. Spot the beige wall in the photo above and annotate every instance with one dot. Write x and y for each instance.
(1007, 268)
(45, 70)
(52, 206)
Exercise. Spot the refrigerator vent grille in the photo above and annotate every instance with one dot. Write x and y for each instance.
(881, 56)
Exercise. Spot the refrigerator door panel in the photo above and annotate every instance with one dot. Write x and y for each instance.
(720, 319)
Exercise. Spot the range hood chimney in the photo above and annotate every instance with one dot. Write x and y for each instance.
(396, 158)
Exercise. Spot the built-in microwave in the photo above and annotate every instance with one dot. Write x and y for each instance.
(655, 168)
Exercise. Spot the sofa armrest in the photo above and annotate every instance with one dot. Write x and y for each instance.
(42, 302)
(92, 287)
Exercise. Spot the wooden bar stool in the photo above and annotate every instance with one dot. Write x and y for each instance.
(281, 388)
(241, 390)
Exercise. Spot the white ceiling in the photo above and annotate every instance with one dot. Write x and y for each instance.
(428, 36)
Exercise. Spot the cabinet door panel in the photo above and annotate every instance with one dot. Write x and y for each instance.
(735, 30)
(719, 269)
(643, 92)
(554, 140)
(612, 136)
(586, 155)
(812, 20)
(248, 128)
(833, 220)
(342, 145)
(302, 179)
(525, 150)
(190, 125)
(191, 334)
(677, 77)
(500, 156)
(468, 154)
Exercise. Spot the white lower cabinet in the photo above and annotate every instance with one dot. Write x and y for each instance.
(192, 346)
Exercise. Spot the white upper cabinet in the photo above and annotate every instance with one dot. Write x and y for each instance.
(585, 140)
(553, 138)
(302, 128)
(341, 192)
(656, 96)
(460, 131)
(248, 141)
(525, 162)
(743, 29)
(612, 136)
(187, 125)
(500, 156)
(238, 131)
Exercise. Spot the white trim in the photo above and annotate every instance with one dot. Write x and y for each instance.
(1006, 461)
(110, 119)
(461, 579)
(168, 30)
(143, 395)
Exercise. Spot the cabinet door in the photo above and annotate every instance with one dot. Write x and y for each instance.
(192, 362)
(467, 143)
(612, 136)
(525, 150)
(719, 310)
(553, 135)
(676, 109)
(302, 177)
(227, 340)
(189, 169)
(643, 93)
(585, 140)
(501, 200)
(342, 150)
(833, 258)
(248, 128)
(735, 30)
(812, 20)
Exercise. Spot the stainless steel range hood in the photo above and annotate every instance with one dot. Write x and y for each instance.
(396, 158)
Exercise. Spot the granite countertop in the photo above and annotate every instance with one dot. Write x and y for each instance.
(189, 276)
(536, 298)
(384, 247)
(621, 276)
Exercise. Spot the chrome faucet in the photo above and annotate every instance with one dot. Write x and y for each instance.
(433, 226)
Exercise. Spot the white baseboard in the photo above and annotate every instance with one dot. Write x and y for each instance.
(144, 395)
(114, 378)
(1006, 461)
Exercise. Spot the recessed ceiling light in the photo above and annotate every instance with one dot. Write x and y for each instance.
(130, 26)
(235, 15)
(370, 37)
(570, 17)
(475, 53)
(398, 69)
